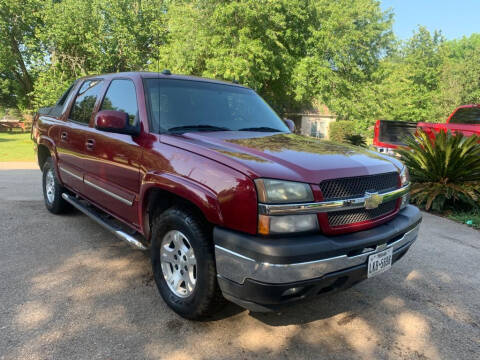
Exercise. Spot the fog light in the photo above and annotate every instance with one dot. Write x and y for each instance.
(292, 291)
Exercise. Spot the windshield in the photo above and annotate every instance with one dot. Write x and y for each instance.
(177, 106)
(469, 115)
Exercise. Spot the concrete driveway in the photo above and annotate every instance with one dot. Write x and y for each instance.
(70, 290)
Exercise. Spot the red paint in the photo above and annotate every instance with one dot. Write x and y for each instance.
(110, 119)
(212, 170)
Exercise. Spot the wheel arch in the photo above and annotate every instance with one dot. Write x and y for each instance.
(43, 153)
(159, 192)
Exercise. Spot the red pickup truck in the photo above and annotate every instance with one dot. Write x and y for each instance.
(389, 135)
(230, 203)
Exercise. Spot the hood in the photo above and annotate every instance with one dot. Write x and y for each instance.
(284, 156)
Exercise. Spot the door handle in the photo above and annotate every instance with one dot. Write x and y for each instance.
(64, 136)
(90, 144)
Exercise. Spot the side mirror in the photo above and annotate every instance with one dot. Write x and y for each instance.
(116, 122)
(290, 124)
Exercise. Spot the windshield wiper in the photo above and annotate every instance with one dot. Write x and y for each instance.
(186, 128)
(260, 128)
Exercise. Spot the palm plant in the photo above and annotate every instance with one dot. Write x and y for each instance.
(444, 170)
(355, 139)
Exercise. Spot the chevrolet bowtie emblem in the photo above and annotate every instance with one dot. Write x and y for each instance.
(372, 200)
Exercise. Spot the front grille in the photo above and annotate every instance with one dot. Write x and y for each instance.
(354, 187)
(339, 218)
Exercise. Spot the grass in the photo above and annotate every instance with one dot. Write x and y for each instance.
(16, 147)
(470, 218)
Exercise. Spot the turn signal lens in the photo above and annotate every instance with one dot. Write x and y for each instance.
(263, 224)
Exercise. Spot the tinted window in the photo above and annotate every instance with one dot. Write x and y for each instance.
(466, 116)
(57, 110)
(84, 103)
(178, 103)
(121, 96)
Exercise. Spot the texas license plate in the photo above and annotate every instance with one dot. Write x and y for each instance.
(380, 262)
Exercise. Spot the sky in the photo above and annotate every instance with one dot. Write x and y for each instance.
(455, 18)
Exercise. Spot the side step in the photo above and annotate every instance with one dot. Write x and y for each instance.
(122, 235)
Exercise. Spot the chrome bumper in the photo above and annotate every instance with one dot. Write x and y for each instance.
(237, 267)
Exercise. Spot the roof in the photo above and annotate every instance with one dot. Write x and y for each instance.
(151, 74)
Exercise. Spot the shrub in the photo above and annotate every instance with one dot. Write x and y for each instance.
(444, 170)
(339, 130)
(356, 139)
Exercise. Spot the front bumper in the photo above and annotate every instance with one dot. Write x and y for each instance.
(265, 273)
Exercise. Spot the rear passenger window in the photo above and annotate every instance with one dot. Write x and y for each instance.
(121, 96)
(84, 103)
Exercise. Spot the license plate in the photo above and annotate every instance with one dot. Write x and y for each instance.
(380, 262)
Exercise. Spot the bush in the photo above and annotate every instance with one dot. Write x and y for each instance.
(357, 140)
(339, 130)
(444, 170)
(343, 131)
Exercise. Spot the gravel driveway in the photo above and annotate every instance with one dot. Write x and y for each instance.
(70, 290)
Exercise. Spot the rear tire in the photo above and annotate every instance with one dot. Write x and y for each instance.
(183, 263)
(52, 190)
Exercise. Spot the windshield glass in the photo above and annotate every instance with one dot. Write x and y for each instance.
(177, 106)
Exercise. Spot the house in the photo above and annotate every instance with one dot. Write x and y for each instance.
(314, 122)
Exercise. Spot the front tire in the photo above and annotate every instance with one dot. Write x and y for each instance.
(52, 190)
(183, 264)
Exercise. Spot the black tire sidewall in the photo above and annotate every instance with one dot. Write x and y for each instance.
(57, 205)
(195, 304)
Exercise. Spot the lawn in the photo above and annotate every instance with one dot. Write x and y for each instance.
(471, 219)
(16, 147)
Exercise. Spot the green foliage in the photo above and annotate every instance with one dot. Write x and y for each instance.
(345, 45)
(15, 146)
(460, 80)
(293, 52)
(356, 139)
(340, 130)
(445, 170)
(471, 218)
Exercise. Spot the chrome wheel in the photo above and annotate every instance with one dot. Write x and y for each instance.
(179, 265)
(50, 186)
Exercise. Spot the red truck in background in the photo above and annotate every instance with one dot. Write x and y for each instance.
(389, 135)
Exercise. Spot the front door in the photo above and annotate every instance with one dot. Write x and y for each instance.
(112, 178)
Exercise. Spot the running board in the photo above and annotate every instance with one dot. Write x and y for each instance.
(91, 214)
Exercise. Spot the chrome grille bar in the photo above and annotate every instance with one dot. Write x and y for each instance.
(328, 206)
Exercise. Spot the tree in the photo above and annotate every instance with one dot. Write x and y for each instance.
(347, 41)
(412, 78)
(290, 51)
(460, 74)
(99, 36)
(18, 23)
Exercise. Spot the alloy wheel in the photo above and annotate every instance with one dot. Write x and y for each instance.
(178, 262)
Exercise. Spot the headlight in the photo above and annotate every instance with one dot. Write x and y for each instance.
(404, 176)
(278, 191)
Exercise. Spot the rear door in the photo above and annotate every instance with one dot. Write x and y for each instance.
(112, 178)
(71, 142)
